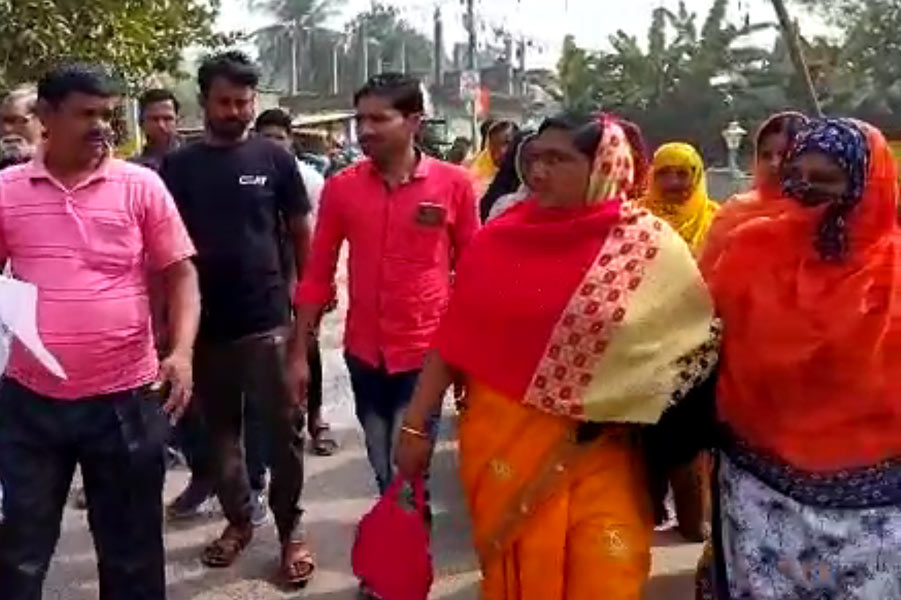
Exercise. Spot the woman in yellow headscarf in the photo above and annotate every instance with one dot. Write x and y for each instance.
(678, 192)
(485, 165)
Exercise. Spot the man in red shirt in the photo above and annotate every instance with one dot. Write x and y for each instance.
(406, 217)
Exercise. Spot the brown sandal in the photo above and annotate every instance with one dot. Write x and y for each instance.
(223, 552)
(297, 565)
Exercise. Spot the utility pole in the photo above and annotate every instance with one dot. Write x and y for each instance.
(792, 40)
(403, 56)
(471, 58)
(293, 32)
(472, 65)
(522, 64)
(364, 43)
(335, 86)
(439, 49)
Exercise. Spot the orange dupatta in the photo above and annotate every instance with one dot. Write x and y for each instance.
(743, 207)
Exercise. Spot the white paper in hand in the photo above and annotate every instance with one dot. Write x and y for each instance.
(18, 314)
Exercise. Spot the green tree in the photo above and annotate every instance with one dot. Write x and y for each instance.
(860, 73)
(134, 37)
(683, 83)
(578, 76)
(297, 29)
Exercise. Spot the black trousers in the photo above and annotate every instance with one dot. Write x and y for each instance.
(118, 440)
(253, 368)
(193, 437)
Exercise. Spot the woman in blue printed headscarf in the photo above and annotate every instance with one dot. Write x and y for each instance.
(808, 287)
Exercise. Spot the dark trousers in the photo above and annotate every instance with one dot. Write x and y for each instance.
(194, 440)
(118, 440)
(255, 369)
(381, 399)
(257, 444)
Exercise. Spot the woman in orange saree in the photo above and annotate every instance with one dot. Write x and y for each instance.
(577, 319)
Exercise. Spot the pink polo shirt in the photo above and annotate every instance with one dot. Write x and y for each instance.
(89, 251)
(403, 243)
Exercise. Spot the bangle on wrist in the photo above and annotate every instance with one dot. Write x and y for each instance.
(415, 432)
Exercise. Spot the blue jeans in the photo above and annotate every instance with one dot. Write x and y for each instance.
(381, 399)
(119, 442)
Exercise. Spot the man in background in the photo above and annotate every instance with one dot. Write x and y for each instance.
(459, 150)
(159, 122)
(275, 125)
(20, 129)
(20, 135)
(233, 190)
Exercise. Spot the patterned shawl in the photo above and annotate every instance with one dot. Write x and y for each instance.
(598, 313)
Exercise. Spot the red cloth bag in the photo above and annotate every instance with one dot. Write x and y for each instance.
(391, 555)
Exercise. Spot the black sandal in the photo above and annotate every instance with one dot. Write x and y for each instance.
(323, 442)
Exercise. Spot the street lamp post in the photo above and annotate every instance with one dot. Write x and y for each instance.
(733, 135)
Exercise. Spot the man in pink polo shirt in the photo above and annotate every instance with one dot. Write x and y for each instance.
(406, 217)
(88, 230)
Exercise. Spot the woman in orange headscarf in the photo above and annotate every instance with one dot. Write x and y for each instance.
(773, 140)
(809, 393)
(576, 319)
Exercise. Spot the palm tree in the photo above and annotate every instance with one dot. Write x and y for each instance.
(284, 44)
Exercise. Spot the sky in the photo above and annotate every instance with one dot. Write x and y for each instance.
(543, 22)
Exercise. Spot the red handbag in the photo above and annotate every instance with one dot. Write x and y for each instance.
(391, 555)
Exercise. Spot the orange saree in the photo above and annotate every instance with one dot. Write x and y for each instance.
(552, 518)
(573, 327)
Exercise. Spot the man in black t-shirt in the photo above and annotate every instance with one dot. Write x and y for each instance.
(232, 191)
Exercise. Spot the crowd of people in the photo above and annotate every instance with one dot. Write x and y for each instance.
(611, 332)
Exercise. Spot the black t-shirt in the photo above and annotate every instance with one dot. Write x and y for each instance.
(233, 200)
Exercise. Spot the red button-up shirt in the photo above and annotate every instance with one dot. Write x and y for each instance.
(403, 243)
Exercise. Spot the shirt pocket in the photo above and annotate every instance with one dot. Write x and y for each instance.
(424, 227)
(114, 245)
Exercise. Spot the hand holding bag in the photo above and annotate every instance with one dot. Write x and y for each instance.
(391, 555)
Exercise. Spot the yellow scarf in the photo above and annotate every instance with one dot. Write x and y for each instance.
(692, 218)
(482, 170)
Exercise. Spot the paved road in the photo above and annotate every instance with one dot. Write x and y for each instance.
(338, 490)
